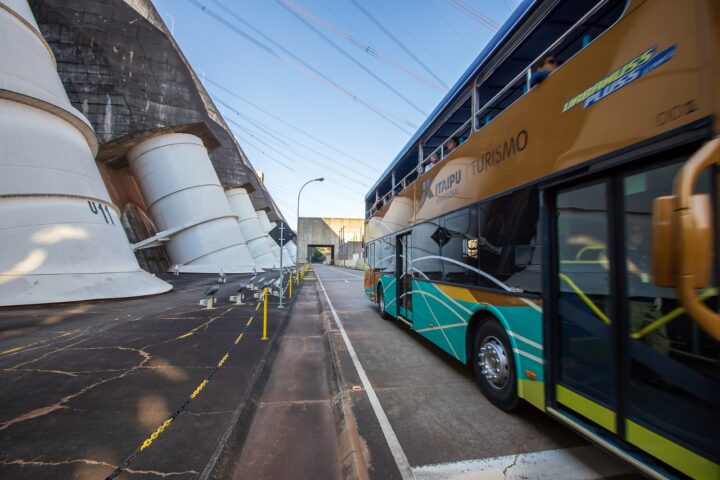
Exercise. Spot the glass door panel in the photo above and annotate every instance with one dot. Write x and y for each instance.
(585, 378)
(674, 367)
(404, 276)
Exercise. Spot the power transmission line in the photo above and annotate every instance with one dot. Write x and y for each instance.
(400, 26)
(294, 60)
(476, 15)
(288, 124)
(397, 42)
(248, 142)
(266, 129)
(359, 44)
(321, 172)
(323, 167)
(351, 58)
(450, 26)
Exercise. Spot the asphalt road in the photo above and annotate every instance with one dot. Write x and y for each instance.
(421, 416)
(83, 385)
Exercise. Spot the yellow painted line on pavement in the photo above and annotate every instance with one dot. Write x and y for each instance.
(159, 430)
(29, 345)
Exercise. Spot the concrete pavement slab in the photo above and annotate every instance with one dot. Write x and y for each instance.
(84, 385)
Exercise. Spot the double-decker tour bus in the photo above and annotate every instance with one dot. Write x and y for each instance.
(561, 236)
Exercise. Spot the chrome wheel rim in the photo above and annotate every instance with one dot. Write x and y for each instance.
(494, 362)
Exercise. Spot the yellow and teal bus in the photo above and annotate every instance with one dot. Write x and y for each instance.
(561, 237)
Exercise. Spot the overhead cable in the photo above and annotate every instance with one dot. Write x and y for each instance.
(398, 42)
(322, 169)
(291, 59)
(267, 130)
(361, 45)
(352, 59)
(288, 124)
(248, 142)
(451, 27)
(476, 15)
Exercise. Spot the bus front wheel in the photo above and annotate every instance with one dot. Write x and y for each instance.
(381, 305)
(494, 365)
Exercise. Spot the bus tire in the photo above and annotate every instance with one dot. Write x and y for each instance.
(381, 304)
(494, 365)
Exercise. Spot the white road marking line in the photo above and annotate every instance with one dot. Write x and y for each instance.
(578, 463)
(393, 443)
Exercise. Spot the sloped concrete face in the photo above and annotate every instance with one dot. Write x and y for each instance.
(62, 237)
(258, 241)
(184, 194)
(266, 226)
(292, 249)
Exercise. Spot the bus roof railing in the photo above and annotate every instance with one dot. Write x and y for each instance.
(523, 75)
(485, 109)
(417, 170)
(516, 18)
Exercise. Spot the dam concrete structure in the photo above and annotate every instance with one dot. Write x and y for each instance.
(61, 233)
(124, 72)
(186, 200)
(101, 78)
(259, 242)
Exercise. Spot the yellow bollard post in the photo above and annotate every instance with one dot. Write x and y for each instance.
(265, 299)
(290, 286)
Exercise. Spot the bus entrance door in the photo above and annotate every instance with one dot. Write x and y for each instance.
(624, 354)
(584, 370)
(404, 276)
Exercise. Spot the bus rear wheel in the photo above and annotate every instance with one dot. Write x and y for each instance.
(494, 365)
(381, 305)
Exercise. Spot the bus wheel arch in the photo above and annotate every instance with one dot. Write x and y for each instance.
(491, 355)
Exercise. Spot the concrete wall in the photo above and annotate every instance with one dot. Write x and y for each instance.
(123, 70)
(345, 234)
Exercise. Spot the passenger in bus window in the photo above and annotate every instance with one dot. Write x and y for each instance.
(452, 144)
(434, 158)
(542, 69)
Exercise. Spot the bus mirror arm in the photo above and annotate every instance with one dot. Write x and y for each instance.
(682, 247)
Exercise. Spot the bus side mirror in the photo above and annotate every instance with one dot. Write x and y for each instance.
(682, 241)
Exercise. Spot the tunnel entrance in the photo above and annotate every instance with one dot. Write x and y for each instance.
(321, 254)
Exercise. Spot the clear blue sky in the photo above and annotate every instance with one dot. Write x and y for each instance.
(272, 73)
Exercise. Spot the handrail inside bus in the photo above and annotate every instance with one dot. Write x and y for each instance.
(596, 310)
(675, 313)
(417, 171)
(589, 248)
(440, 149)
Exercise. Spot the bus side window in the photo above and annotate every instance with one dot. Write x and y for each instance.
(460, 246)
(426, 240)
(507, 232)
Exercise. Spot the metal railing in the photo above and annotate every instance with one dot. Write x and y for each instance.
(523, 76)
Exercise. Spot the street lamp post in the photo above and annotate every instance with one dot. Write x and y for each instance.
(297, 229)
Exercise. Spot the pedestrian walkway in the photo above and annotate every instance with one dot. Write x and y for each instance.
(293, 434)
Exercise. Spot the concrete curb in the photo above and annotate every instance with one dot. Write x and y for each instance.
(352, 451)
(228, 449)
